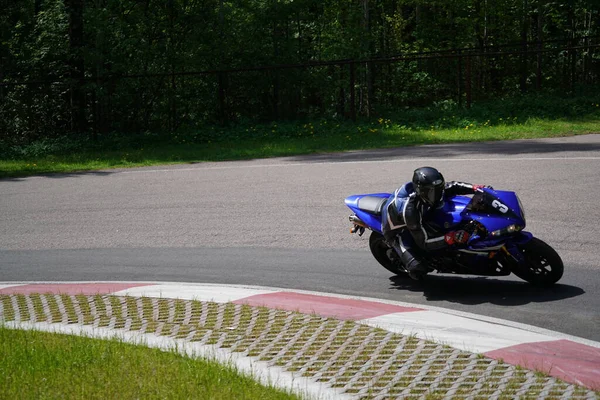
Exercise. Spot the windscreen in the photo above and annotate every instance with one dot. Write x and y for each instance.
(486, 203)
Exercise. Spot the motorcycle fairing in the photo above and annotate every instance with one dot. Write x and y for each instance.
(372, 220)
(496, 203)
(494, 209)
(478, 244)
(449, 215)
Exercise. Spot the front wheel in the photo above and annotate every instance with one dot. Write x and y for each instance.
(543, 266)
(380, 251)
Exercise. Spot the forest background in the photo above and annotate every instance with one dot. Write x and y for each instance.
(74, 71)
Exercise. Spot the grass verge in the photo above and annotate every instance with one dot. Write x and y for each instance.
(177, 151)
(524, 118)
(356, 359)
(44, 365)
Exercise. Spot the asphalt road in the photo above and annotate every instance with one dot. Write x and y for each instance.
(282, 222)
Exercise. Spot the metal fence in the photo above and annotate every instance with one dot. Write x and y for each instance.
(341, 88)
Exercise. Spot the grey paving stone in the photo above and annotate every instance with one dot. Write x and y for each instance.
(366, 362)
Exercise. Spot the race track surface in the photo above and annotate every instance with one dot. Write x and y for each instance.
(282, 223)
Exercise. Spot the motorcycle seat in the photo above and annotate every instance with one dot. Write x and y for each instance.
(372, 204)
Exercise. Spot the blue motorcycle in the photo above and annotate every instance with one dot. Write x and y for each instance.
(498, 245)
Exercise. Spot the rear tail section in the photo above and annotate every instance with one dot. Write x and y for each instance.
(367, 210)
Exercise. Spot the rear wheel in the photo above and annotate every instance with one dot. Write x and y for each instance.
(380, 251)
(543, 266)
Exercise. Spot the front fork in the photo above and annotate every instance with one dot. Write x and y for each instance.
(513, 253)
(512, 250)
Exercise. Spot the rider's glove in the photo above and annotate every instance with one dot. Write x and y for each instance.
(479, 187)
(456, 237)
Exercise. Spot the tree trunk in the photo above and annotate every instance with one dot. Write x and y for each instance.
(524, 31)
(540, 22)
(76, 65)
(37, 7)
(367, 94)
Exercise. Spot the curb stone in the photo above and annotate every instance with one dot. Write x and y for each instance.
(334, 341)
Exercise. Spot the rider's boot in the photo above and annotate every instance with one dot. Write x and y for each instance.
(414, 266)
(416, 269)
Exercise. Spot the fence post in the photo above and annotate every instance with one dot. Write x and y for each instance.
(342, 95)
(1, 79)
(468, 81)
(222, 117)
(276, 96)
(523, 77)
(95, 112)
(593, 73)
(573, 53)
(171, 112)
(369, 98)
(459, 86)
(540, 31)
(352, 94)
(538, 74)
(585, 63)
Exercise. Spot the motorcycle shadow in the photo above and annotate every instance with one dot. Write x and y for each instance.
(470, 290)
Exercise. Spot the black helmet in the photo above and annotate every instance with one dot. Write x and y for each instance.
(429, 185)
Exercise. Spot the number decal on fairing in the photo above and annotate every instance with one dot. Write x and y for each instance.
(501, 207)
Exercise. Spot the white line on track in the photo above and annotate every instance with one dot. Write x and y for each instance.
(8, 285)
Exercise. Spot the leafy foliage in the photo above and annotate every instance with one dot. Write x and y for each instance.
(445, 116)
(138, 60)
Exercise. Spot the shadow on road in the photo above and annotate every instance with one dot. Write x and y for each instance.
(584, 143)
(480, 290)
(59, 175)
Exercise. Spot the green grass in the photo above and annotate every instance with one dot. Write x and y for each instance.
(44, 365)
(41, 365)
(367, 136)
(525, 118)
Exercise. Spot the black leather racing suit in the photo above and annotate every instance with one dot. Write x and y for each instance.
(402, 223)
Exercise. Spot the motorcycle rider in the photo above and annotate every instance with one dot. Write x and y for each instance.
(404, 212)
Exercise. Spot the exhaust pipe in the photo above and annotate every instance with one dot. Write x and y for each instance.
(357, 221)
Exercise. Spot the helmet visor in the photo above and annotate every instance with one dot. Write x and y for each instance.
(432, 194)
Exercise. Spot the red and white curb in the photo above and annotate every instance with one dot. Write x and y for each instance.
(572, 359)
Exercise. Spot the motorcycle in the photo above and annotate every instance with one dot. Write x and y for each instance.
(497, 246)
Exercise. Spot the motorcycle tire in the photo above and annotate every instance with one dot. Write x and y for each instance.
(379, 249)
(544, 267)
